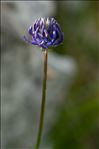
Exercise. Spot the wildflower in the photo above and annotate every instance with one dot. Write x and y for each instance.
(44, 33)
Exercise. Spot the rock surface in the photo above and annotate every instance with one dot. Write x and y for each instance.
(21, 77)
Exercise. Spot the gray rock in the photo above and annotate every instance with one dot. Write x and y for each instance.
(21, 79)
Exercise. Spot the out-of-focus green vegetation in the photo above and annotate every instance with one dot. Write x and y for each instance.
(77, 124)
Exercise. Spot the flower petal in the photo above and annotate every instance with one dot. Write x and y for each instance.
(30, 31)
(30, 42)
(59, 40)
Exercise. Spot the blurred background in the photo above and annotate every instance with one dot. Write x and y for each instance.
(72, 104)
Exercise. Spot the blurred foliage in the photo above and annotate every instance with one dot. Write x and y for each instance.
(77, 123)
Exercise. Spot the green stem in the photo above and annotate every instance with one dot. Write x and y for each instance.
(43, 101)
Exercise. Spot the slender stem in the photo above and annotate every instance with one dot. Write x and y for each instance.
(43, 100)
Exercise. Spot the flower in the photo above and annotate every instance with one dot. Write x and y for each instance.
(44, 33)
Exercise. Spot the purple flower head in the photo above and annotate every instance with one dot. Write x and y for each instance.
(44, 33)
